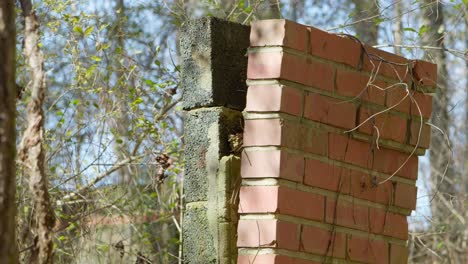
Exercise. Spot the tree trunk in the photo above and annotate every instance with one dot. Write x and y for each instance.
(442, 184)
(8, 251)
(398, 27)
(366, 13)
(31, 152)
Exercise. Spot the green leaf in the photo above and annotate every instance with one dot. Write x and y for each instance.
(88, 31)
(422, 30)
(378, 21)
(78, 29)
(75, 101)
(96, 58)
(410, 30)
(119, 141)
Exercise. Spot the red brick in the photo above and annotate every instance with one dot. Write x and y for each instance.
(274, 98)
(330, 111)
(425, 73)
(424, 102)
(387, 223)
(398, 99)
(424, 137)
(331, 47)
(390, 126)
(337, 146)
(294, 68)
(258, 199)
(347, 214)
(289, 260)
(323, 242)
(359, 153)
(375, 92)
(282, 200)
(271, 259)
(278, 32)
(277, 132)
(312, 140)
(389, 161)
(268, 233)
(398, 254)
(354, 84)
(301, 204)
(365, 186)
(350, 150)
(264, 65)
(366, 250)
(387, 64)
(326, 176)
(320, 76)
(272, 164)
(405, 195)
(261, 132)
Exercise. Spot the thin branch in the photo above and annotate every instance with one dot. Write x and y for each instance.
(99, 178)
(423, 47)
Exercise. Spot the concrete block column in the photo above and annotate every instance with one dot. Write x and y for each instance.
(213, 79)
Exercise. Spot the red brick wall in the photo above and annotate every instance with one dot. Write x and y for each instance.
(331, 138)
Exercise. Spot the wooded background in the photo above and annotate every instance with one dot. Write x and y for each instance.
(99, 138)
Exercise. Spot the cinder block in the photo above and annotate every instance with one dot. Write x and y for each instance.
(198, 246)
(206, 141)
(214, 66)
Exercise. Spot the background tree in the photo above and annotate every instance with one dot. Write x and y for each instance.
(113, 132)
(8, 93)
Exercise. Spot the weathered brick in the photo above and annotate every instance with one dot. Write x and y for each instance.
(387, 64)
(367, 250)
(323, 242)
(320, 76)
(398, 254)
(355, 84)
(261, 132)
(360, 153)
(301, 204)
(424, 102)
(264, 65)
(330, 46)
(330, 111)
(269, 233)
(389, 126)
(424, 136)
(398, 99)
(389, 161)
(258, 199)
(326, 176)
(272, 164)
(271, 259)
(388, 223)
(278, 32)
(425, 73)
(294, 68)
(365, 186)
(347, 214)
(337, 146)
(312, 140)
(283, 200)
(274, 98)
(405, 195)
